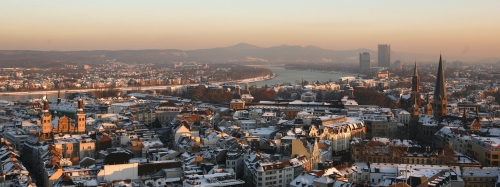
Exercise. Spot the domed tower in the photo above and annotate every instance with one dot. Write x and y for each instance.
(80, 118)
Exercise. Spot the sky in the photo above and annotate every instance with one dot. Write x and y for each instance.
(455, 27)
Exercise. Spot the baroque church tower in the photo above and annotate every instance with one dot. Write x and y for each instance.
(80, 118)
(440, 104)
(46, 121)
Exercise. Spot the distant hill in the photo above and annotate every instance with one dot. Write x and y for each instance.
(241, 52)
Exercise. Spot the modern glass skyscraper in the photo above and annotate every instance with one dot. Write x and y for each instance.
(384, 55)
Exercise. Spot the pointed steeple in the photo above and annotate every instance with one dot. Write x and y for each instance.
(46, 107)
(59, 96)
(440, 98)
(80, 104)
(415, 71)
(476, 125)
(464, 120)
(415, 87)
(477, 113)
(440, 89)
(315, 155)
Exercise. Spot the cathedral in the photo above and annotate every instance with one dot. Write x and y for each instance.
(51, 125)
(424, 125)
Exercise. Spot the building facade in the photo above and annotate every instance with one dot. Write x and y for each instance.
(384, 55)
(364, 61)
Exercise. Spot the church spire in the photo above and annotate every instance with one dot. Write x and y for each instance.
(59, 96)
(80, 104)
(415, 71)
(415, 87)
(440, 97)
(45, 105)
(440, 89)
(315, 155)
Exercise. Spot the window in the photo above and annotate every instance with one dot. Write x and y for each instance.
(495, 156)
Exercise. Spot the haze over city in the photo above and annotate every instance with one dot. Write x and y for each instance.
(457, 28)
(250, 93)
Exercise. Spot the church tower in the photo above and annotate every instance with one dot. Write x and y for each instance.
(414, 100)
(428, 107)
(80, 118)
(415, 87)
(414, 120)
(59, 97)
(476, 125)
(46, 120)
(315, 155)
(440, 104)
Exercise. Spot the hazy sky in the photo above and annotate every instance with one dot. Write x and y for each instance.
(461, 28)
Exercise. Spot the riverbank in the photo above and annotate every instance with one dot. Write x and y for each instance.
(159, 87)
(257, 79)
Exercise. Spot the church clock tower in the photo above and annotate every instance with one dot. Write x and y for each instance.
(80, 118)
(46, 120)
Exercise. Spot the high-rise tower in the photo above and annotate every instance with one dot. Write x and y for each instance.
(364, 61)
(384, 55)
(440, 104)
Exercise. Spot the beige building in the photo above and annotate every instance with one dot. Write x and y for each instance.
(237, 104)
(339, 132)
(87, 148)
(485, 150)
(480, 176)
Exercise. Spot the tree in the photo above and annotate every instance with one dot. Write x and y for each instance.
(197, 93)
(319, 95)
(156, 123)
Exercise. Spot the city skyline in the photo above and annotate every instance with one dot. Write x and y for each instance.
(458, 28)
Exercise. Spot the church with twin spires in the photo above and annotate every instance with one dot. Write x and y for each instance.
(426, 122)
(51, 125)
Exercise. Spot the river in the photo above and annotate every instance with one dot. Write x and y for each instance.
(296, 76)
(284, 75)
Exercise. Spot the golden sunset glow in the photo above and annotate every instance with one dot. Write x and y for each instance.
(460, 28)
